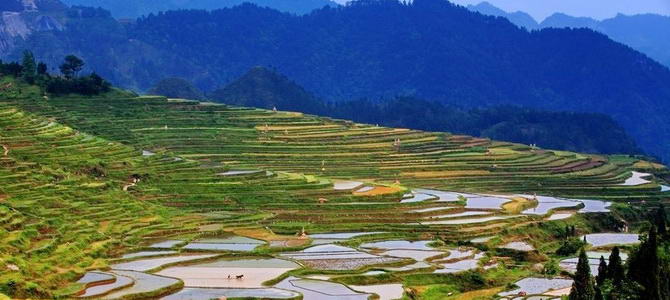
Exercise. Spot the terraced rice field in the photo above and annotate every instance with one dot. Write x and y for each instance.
(120, 196)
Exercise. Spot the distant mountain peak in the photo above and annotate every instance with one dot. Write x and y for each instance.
(518, 18)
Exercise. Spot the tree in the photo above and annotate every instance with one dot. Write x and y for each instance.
(582, 287)
(615, 270)
(71, 66)
(29, 67)
(602, 272)
(661, 220)
(644, 266)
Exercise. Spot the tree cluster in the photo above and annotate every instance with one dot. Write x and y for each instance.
(69, 82)
(645, 276)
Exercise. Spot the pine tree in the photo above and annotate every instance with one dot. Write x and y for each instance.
(644, 267)
(582, 287)
(29, 67)
(615, 270)
(602, 272)
(661, 220)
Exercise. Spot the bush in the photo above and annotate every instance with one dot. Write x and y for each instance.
(87, 85)
(570, 246)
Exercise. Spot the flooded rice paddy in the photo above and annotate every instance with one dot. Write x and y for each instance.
(346, 185)
(611, 239)
(518, 246)
(143, 283)
(397, 245)
(538, 286)
(147, 254)
(636, 179)
(235, 243)
(385, 291)
(320, 290)
(144, 265)
(484, 202)
(223, 273)
(547, 204)
(206, 276)
(417, 197)
(467, 221)
(217, 293)
(94, 277)
(335, 257)
(417, 255)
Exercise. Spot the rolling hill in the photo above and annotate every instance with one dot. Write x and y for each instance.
(98, 182)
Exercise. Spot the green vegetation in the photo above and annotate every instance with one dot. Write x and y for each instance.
(31, 72)
(86, 179)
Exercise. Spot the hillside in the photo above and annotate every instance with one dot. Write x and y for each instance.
(97, 183)
(581, 132)
(429, 49)
(645, 33)
(137, 8)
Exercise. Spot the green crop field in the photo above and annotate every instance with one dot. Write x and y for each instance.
(85, 180)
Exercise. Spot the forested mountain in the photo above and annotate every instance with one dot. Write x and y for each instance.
(137, 8)
(647, 33)
(176, 88)
(584, 132)
(264, 88)
(429, 49)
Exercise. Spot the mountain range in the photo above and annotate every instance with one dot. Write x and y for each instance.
(647, 33)
(137, 8)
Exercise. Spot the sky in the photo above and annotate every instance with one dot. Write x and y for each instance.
(597, 9)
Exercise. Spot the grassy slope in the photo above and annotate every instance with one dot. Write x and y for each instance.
(64, 210)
